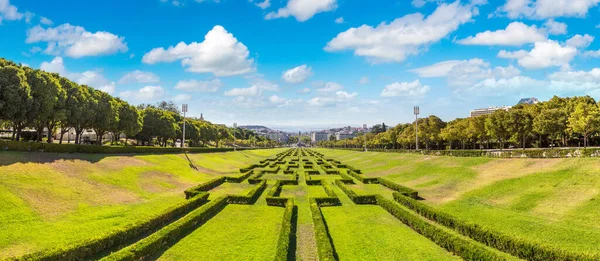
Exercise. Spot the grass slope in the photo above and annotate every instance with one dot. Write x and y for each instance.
(49, 199)
(550, 201)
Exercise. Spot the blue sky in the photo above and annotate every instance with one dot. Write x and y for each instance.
(313, 63)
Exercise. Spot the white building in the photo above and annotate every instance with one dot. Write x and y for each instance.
(320, 136)
(487, 111)
(343, 136)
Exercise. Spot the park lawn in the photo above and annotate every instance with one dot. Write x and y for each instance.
(239, 232)
(230, 189)
(550, 201)
(370, 233)
(50, 199)
(230, 162)
(372, 189)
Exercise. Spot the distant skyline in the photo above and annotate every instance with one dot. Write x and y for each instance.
(307, 65)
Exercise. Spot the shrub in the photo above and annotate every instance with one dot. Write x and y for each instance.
(325, 246)
(167, 236)
(249, 198)
(286, 234)
(238, 179)
(406, 191)
(357, 199)
(514, 246)
(191, 192)
(91, 247)
(462, 247)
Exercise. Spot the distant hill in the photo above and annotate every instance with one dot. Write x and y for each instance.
(255, 127)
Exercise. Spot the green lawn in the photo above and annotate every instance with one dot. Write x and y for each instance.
(49, 199)
(550, 201)
(370, 233)
(239, 232)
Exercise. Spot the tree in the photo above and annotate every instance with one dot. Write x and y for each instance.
(551, 123)
(476, 131)
(46, 93)
(456, 130)
(520, 124)
(15, 98)
(496, 126)
(105, 114)
(130, 121)
(584, 120)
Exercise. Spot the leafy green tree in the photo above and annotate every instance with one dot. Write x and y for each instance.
(551, 123)
(520, 124)
(130, 121)
(496, 126)
(456, 131)
(46, 93)
(584, 120)
(105, 114)
(15, 98)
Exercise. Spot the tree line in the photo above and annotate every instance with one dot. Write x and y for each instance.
(559, 122)
(39, 100)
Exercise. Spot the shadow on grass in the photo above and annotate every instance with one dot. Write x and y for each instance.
(190, 161)
(293, 242)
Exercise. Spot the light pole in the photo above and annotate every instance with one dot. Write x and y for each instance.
(365, 141)
(416, 111)
(184, 108)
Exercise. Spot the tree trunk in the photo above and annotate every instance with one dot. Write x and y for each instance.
(99, 136)
(40, 132)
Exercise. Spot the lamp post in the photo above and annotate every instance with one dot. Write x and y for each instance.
(184, 108)
(416, 110)
(365, 141)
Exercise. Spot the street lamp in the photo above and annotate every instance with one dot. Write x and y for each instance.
(184, 108)
(416, 110)
(365, 141)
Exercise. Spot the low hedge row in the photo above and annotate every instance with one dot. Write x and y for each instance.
(357, 199)
(167, 236)
(325, 247)
(249, 198)
(328, 190)
(286, 235)
(313, 182)
(362, 178)
(256, 178)
(95, 149)
(240, 178)
(88, 248)
(332, 172)
(406, 191)
(462, 247)
(206, 186)
(312, 172)
(328, 201)
(514, 246)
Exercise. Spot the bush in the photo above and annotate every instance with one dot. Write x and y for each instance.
(397, 187)
(91, 247)
(238, 179)
(167, 236)
(362, 178)
(325, 246)
(191, 192)
(95, 149)
(361, 200)
(453, 243)
(529, 153)
(286, 234)
(514, 246)
(249, 198)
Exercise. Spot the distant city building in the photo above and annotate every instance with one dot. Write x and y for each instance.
(343, 136)
(201, 116)
(531, 100)
(319, 136)
(487, 111)
(234, 125)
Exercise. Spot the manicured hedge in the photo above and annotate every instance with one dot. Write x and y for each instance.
(357, 199)
(362, 178)
(401, 189)
(91, 247)
(169, 235)
(286, 235)
(238, 179)
(251, 197)
(514, 246)
(206, 186)
(462, 247)
(95, 149)
(328, 190)
(325, 247)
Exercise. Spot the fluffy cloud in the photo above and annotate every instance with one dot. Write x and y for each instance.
(437, 70)
(139, 77)
(181, 98)
(93, 79)
(264, 4)
(595, 54)
(515, 34)
(76, 42)
(502, 86)
(147, 93)
(542, 9)
(573, 81)
(297, 75)
(339, 20)
(305, 90)
(220, 53)
(303, 10)
(258, 86)
(331, 87)
(250, 91)
(405, 36)
(405, 89)
(548, 53)
(9, 12)
(463, 73)
(199, 86)
(554, 27)
(45, 21)
(335, 98)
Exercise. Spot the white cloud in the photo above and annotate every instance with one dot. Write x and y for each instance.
(305, 90)
(544, 54)
(554, 27)
(542, 9)
(405, 36)
(264, 4)
(181, 97)
(575, 81)
(45, 21)
(363, 80)
(9, 12)
(594, 54)
(502, 86)
(580, 41)
(303, 10)
(297, 75)
(220, 53)
(76, 42)
(250, 91)
(516, 33)
(339, 20)
(93, 79)
(277, 100)
(598, 26)
(199, 86)
(436, 70)
(331, 87)
(337, 97)
(138, 76)
(405, 89)
(147, 93)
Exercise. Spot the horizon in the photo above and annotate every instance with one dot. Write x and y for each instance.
(313, 66)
